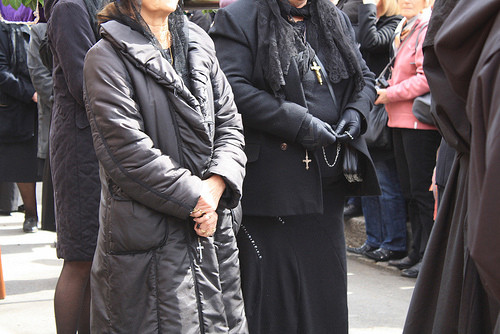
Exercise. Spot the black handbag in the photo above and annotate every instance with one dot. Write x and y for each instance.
(378, 135)
(422, 108)
(351, 166)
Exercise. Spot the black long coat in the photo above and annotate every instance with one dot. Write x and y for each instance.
(18, 116)
(17, 109)
(156, 140)
(458, 288)
(75, 170)
(277, 183)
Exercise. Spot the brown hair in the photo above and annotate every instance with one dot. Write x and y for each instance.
(111, 11)
(388, 8)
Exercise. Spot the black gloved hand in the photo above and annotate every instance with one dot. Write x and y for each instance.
(315, 133)
(349, 127)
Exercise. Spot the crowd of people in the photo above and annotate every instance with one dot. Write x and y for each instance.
(196, 166)
(405, 167)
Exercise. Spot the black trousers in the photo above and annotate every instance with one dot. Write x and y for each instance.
(415, 152)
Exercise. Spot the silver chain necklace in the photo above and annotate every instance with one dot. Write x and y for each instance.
(336, 155)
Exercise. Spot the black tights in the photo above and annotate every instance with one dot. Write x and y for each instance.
(28, 194)
(72, 298)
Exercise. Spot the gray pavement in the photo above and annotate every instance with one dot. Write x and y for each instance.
(30, 271)
(378, 296)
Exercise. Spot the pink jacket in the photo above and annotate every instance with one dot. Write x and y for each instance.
(408, 80)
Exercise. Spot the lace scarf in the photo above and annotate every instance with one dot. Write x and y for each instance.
(279, 42)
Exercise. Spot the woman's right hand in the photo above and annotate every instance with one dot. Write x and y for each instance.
(206, 224)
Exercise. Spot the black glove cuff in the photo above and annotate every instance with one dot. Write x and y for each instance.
(305, 129)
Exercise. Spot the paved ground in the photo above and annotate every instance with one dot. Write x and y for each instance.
(30, 271)
(378, 296)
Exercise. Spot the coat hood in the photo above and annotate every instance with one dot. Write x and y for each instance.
(463, 33)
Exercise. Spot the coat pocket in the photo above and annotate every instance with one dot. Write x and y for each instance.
(134, 228)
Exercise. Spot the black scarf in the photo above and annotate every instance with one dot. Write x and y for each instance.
(279, 42)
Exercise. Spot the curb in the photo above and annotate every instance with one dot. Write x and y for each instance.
(355, 236)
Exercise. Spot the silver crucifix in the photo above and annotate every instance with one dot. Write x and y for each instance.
(200, 250)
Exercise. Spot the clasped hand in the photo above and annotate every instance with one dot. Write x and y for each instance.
(204, 215)
(349, 127)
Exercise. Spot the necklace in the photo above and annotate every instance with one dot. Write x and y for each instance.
(171, 55)
(164, 37)
(336, 156)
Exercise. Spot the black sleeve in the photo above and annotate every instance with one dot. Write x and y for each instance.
(372, 38)
(236, 53)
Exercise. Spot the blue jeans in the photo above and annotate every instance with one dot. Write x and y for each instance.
(385, 215)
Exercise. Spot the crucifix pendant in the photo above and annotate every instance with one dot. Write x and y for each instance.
(316, 68)
(307, 160)
(200, 250)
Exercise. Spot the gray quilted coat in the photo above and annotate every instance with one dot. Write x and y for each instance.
(155, 141)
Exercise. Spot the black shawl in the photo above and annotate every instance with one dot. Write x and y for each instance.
(279, 42)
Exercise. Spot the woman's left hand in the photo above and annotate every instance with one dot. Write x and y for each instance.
(349, 127)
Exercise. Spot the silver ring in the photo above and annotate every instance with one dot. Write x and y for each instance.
(350, 136)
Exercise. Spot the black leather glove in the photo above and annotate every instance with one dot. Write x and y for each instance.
(315, 133)
(349, 127)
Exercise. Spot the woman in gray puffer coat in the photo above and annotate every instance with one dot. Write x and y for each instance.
(170, 146)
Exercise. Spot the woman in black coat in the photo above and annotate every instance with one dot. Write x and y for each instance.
(297, 124)
(72, 30)
(170, 146)
(18, 119)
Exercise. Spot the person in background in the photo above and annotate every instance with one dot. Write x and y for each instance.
(41, 77)
(302, 89)
(385, 215)
(9, 195)
(351, 8)
(352, 207)
(224, 3)
(18, 116)
(198, 16)
(71, 31)
(415, 143)
(170, 143)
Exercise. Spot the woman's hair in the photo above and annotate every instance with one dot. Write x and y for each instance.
(389, 7)
(111, 10)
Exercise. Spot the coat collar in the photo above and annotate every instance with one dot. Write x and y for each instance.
(137, 49)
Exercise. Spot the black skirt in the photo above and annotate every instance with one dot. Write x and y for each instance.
(18, 162)
(294, 277)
